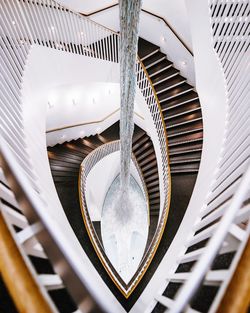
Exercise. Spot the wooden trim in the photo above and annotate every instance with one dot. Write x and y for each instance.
(19, 281)
(100, 10)
(237, 295)
(147, 12)
(90, 122)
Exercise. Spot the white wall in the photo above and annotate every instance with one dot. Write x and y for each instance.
(173, 11)
(75, 89)
(155, 31)
(34, 128)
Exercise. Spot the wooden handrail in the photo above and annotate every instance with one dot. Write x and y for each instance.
(147, 12)
(90, 122)
(237, 296)
(22, 287)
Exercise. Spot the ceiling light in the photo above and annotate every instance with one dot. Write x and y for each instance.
(13, 22)
(163, 38)
(82, 33)
(63, 137)
(184, 63)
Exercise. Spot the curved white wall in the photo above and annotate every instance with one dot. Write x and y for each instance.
(34, 127)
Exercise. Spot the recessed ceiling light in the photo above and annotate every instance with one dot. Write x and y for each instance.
(184, 63)
(13, 22)
(98, 130)
(163, 38)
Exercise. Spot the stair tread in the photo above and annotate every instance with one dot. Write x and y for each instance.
(156, 57)
(159, 67)
(182, 99)
(164, 75)
(174, 92)
(169, 83)
(145, 48)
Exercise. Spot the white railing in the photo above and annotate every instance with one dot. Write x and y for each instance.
(223, 224)
(46, 23)
(86, 166)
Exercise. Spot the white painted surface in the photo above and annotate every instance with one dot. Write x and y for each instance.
(173, 11)
(212, 93)
(75, 89)
(34, 128)
(86, 6)
(155, 31)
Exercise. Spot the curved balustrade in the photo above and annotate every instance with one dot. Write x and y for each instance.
(88, 163)
(223, 224)
(46, 23)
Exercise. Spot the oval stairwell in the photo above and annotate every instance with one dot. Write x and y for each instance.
(207, 227)
(182, 114)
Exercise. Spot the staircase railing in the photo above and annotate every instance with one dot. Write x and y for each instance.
(223, 225)
(86, 166)
(46, 23)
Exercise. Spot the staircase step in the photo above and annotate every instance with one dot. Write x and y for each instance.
(145, 140)
(185, 149)
(169, 84)
(154, 59)
(185, 138)
(192, 104)
(149, 165)
(159, 67)
(150, 172)
(146, 154)
(154, 196)
(155, 202)
(186, 157)
(186, 168)
(153, 189)
(138, 135)
(184, 161)
(181, 114)
(181, 100)
(152, 184)
(194, 126)
(143, 148)
(152, 178)
(146, 49)
(175, 92)
(164, 76)
(182, 122)
(173, 135)
(146, 161)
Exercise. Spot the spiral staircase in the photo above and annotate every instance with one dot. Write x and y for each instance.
(202, 234)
